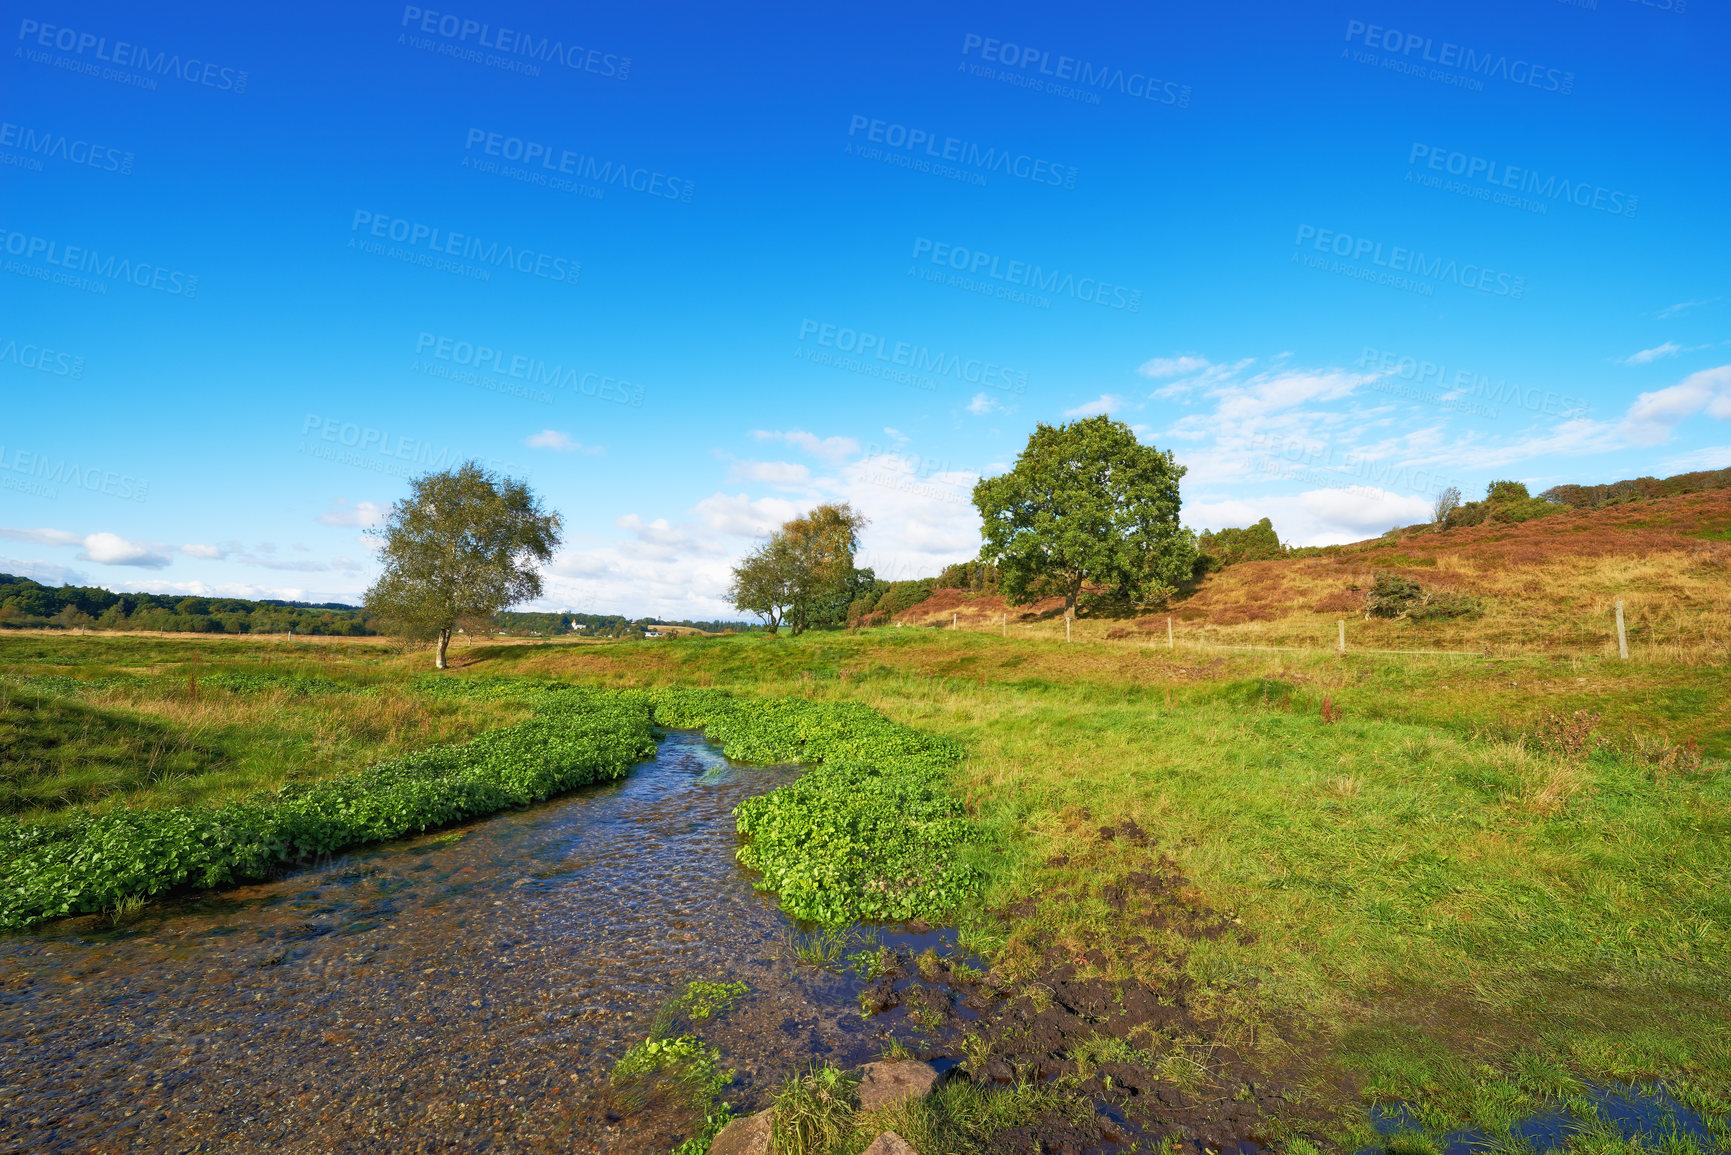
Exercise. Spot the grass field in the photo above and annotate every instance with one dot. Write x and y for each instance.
(1466, 885)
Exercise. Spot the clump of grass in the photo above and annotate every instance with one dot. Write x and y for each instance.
(814, 1111)
(824, 948)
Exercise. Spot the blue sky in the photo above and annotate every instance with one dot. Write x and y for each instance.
(692, 271)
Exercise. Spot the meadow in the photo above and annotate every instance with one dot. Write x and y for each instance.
(1475, 887)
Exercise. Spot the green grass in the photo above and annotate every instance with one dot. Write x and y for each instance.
(1431, 901)
(57, 752)
(100, 861)
(91, 743)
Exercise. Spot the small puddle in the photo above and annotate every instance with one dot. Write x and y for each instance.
(464, 990)
(1650, 1114)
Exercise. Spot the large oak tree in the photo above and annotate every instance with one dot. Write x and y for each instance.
(1086, 505)
(465, 545)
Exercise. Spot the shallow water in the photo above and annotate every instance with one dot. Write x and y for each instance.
(467, 990)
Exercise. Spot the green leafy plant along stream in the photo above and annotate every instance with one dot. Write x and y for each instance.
(471, 985)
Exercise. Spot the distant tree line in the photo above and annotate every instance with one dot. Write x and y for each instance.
(28, 603)
(1637, 489)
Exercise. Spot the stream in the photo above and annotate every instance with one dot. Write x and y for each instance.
(466, 990)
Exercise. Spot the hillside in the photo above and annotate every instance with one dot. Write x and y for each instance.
(1545, 584)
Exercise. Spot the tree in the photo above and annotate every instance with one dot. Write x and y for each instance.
(1086, 504)
(804, 574)
(1447, 502)
(761, 583)
(1227, 547)
(73, 618)
(823, 580)
(465, 545)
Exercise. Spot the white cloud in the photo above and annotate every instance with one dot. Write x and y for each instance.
(101, 548)
(982, 404)
(744, 516)
(562, 442)
(42, 536)
(46, 572)
(360, 513)
(782, 473)
(1647, 356)
(1183, 366)
(895, 434)
(1672, 310)
(831, 449)
(1653, 416)
(208, 552)
(1105, 403)
(1327, 516)
(112, 549)
(1711, 457)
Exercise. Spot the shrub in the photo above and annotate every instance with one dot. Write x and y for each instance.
(1501, 491)
(903, 596)
(977, 576)
(1394, 596)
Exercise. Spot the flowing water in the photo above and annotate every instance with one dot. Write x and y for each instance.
(459, 991)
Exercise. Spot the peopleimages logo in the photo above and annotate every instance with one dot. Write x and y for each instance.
(1477, 170)
(564, 162)
(460, 30)
(1022, 274)
(43, 469)
(488, 363)
(124, 55)
(1091, 78)
(57, 146)
(1465, 383)
(77, 259)
(433, 240)
(926, 146)
(1480, 65)
(41, 358)
(1403, 260)
(872, 352)
(379, 450)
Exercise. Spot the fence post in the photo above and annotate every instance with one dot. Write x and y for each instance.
(1006, 623)
(1340, 647)
(1066, 627)
(952, 621)
(1169, 632)
(1622, 635)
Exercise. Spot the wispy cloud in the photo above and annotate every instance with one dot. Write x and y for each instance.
(831, 449)
(561, 442)
(1653, 416)
(780, 473)
(1181, 366)
(1670, 311)
(1648, 356)
(1105, 403)
(358, 514)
